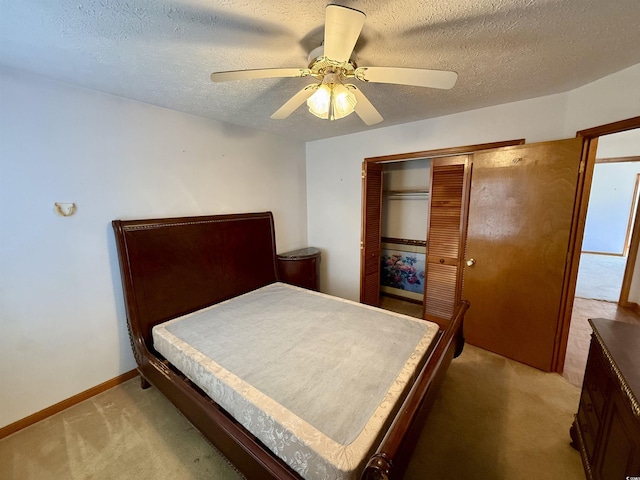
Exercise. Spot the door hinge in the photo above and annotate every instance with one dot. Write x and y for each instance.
(581, 170)
(361, 245)
(364, 173)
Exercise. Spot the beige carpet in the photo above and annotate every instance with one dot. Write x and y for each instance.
(493, 419)
(499, 419)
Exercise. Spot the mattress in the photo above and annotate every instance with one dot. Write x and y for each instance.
(316, 378)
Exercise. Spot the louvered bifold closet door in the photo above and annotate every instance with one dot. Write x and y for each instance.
(371, 232)
(446, 237)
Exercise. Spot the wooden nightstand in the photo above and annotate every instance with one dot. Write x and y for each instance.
(606, 430)
(301, 268)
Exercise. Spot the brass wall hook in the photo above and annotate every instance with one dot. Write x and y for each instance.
(65, 209)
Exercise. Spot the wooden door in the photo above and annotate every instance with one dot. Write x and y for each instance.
(445, 237)
(520, 213)
(370, 244)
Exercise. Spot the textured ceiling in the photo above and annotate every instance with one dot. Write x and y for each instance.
(162, 52)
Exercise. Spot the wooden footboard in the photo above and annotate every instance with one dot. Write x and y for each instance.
(393, 454)
(171, 267)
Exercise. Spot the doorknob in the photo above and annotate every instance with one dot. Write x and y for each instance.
(471, 262)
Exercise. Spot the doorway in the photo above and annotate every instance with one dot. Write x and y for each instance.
(610, 217)
(610, 147)
(574, 334)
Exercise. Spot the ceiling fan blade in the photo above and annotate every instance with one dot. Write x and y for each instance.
(364, 109)
(294, 102)
(341, 31)
(408, 76)
(259, 73)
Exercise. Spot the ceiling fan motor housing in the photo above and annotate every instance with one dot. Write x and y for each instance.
(318, 62)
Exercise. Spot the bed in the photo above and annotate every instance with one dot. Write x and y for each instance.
(205, 307)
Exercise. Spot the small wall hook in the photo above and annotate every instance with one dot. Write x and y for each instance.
(65, 209)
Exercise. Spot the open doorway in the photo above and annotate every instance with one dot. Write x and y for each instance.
(608, 279)
(610, 217)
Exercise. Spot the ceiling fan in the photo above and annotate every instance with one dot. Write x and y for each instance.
(333, 64)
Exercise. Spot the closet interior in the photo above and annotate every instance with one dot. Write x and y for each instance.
(404, 224)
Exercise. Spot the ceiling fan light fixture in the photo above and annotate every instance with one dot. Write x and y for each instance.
(332, 101)
(318, 103)
(334, 62)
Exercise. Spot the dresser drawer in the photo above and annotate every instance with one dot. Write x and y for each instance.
(596, 381)
(588, 423)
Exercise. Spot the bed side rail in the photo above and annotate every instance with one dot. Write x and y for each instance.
(391, 458)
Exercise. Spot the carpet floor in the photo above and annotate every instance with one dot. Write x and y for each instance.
(493, 419)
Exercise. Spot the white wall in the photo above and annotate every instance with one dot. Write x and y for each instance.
(612, 98)
(624, 144)
(610, 201)
(405, 216)
(62, 322)
(334, 183)
(621, 144)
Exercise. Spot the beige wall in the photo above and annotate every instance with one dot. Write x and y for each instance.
(62, 322)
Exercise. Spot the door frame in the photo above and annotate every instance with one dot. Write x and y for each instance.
(632, 255)
(587, 163)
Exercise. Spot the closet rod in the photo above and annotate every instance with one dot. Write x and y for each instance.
(406, 193)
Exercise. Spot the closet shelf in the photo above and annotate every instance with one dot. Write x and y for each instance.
(413, 193)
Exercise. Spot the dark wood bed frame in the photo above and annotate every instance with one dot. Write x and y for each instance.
(174, 266)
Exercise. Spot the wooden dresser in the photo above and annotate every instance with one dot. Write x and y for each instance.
(606, 429)
(301, 268)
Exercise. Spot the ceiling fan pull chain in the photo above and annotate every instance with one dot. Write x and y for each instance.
(331, 114)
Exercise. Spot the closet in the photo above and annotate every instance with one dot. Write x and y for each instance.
(424, 201)
(505, 226)
(445, 191)
(405, 206)
(498, 233)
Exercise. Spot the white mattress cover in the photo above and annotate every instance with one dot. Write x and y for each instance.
(308, 450)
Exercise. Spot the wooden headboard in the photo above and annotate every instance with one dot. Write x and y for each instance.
(213, 257)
